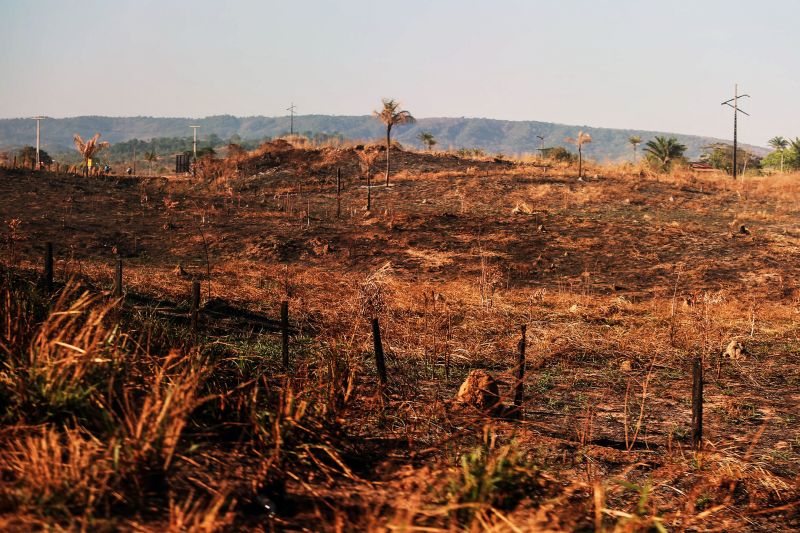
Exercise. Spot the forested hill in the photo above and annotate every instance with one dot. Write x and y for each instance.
(492, 136)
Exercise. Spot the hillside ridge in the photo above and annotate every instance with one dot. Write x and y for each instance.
(490, 135)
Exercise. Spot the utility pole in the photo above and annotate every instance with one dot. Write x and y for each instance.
(291, 109)
(194, 143)
(736, 111)
(37, 119)
(541, 139)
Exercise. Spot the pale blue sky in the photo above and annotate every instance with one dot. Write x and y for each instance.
(610, 63)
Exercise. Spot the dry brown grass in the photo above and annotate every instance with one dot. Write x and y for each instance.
(622, 280)
(64, 472)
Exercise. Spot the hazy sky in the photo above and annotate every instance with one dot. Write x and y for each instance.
(610, 63)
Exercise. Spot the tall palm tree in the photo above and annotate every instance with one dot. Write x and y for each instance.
(392, 115)
(780, 145)
(579, 141)
(663, 151)
(89, 148)
(427, 139)
(634, 141)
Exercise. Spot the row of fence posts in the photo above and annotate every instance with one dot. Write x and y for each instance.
(380, 360)
(194, 308)
(286, 205)
(21, 165)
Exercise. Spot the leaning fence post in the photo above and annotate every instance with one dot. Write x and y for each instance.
(118, 280)
(338, 192)
(380, 362)
(48, 267)
(285, 334)
(519, 393)
(697, 404)
(195, 312)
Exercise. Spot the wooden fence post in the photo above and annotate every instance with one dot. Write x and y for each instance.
(48, 267)
(195, 312)
(285, 334)
(519, 393)
(338, 192)
(447, 349)
(369, 193)
(380, 362)
(118, 280)
(697, 404)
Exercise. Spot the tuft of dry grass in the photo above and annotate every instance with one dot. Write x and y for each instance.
(61, 471)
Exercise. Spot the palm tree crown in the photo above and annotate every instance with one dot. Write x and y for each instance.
(663, 151)
(779, 143)
(391, 115)
(89, 147)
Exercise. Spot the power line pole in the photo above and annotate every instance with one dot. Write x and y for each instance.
(541, 139)
(194, 143)
(736, 111)
(37, 119)
(291, 109)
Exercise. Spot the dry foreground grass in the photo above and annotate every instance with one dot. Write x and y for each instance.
(116, 417)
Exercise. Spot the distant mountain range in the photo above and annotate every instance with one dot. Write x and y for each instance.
(492, 136)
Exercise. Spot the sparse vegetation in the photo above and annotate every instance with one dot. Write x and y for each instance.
(427, 139)
(116, 416)
(720, 156)
(27, 157)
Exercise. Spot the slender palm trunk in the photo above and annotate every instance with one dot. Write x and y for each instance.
(580, 161)
(781, 161)
(388, 149)
(634, 154)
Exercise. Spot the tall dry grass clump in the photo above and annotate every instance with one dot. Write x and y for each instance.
(64, 471)
(112, 415)
(54, 369)
(151, 430)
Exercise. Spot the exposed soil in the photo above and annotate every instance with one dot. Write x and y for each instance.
(622, 281)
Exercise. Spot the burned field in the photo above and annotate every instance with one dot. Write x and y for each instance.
(117, 415)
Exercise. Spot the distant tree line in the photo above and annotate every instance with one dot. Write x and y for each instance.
(155, 149)
(784, 157)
